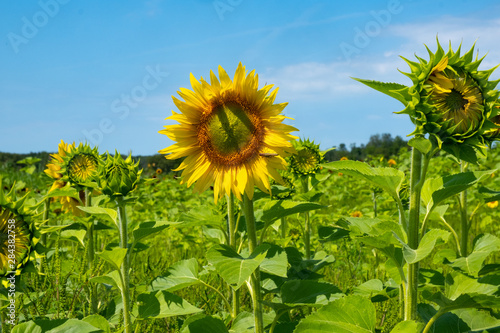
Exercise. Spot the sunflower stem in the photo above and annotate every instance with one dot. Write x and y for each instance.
(43, 237)
(124, 269)
(255, 278)
(91, 253)
(283, 227)
(464, 222)
(307, 226)
(231, 221)
(416, 181)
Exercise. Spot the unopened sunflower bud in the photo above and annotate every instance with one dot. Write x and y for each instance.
(119, 177)
(307, 158)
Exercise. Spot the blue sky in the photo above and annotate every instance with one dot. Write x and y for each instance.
(105, 71)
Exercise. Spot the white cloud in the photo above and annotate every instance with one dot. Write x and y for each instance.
(326, 81)
(458, 30)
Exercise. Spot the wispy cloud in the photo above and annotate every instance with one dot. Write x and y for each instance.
(465, 30)
(323, 81)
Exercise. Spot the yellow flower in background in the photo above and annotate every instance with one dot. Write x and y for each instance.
(307, 158)
(492, 204)
(391, 162)
(68, 204)
(54, 167)
(344, 158)
(18, 234)
(80, 165)
(231, 134)
(357, 213)
(53, 170)
(159, 171)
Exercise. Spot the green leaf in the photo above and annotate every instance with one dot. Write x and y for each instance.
(149, 228)
(199, 217)
(276, 261)
(56, 326)
(476, 319)
(112, 278)
(462, 292)
(331, 234)
(460, 320)
(244, 322)
(114, 257)
(436, 190)
(162, 304)
(345, 315)
(276, 209)
(489, 195)
(202, 323)
(98, 321)
(394, 90)
(308, 292)
(74, 235)
(407, 326)
(426, 245)
(369, 288)
(66, 191)
(27, 327)
(458, 284)
(180, 275)
(483, 247)
(111, 213)
(232, 267)
(422, 144)
(389, 179)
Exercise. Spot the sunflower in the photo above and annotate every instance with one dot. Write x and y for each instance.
(54, 167)
(80, 166)
(18, 234)
(231, 134)
(450, 100)
(69, 204)
(307, 158)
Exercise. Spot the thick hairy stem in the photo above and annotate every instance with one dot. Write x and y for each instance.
(43, 238)
(416, 181)
(283, 227)
(91, 253)
(255, 278)
(307, 225)
(124, 269)
(231, 227)
(464, 221)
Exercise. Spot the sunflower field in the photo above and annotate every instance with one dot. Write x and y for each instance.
(255, 231)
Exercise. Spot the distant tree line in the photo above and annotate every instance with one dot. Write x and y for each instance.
(379, 145)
